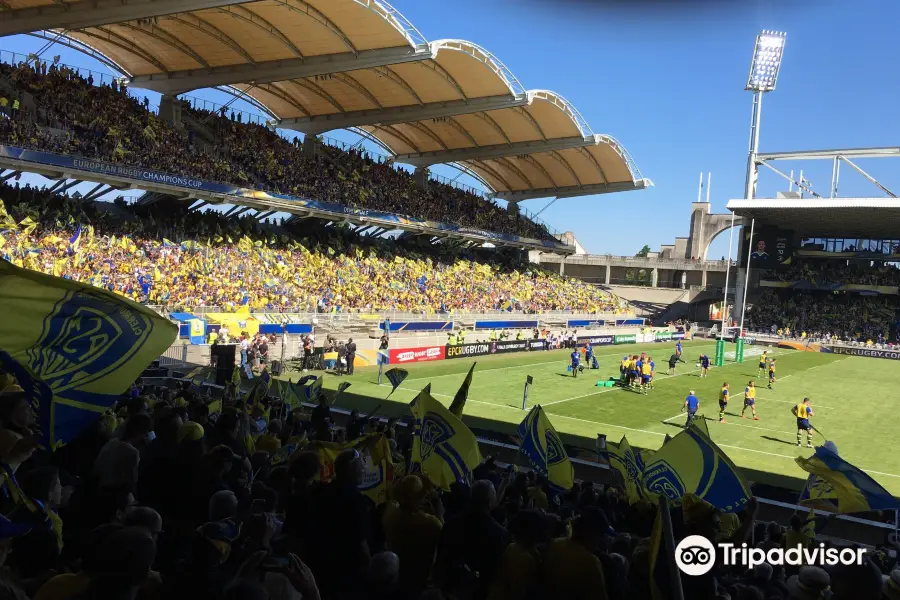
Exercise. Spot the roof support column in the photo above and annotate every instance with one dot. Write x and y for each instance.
(311, 145)
(420, 176)
(170, 110)
(513, 207)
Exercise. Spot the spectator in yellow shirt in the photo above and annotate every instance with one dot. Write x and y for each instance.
(413, 533)
(571, 567)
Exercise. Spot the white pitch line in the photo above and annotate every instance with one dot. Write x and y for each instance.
(612, 389)
(622, 427)
(795, 403)
(621, 388)
(549, 362)
(673, 417)
(792, 458)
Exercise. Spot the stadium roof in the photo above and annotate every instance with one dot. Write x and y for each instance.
(319, 65)
(861, 218)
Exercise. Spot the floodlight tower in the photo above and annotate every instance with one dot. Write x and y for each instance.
(762, 78)
(764, 68)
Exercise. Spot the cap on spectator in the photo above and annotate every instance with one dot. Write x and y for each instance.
(890, 585)
(695, 509)
(190, 432)
(810, 584)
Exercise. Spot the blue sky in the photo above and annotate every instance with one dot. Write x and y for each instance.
(668, 83)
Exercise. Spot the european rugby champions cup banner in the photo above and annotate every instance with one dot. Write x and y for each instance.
(151, 176)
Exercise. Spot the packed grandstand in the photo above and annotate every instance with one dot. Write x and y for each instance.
(183, 490)
(74, 117)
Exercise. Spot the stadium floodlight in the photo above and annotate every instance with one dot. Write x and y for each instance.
(766, 61)
(764, 68)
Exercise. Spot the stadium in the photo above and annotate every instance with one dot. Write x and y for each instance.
(243, 359)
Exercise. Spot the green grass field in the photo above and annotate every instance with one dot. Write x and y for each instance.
(848, 396)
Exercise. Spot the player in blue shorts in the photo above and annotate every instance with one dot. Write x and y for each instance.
(763, 364)
(704, 365)
(633, 370)
(576, 360)
(803, 412)
(750, 400)
(678, 348)
(771, 373)
(646, 374)
(723, 402)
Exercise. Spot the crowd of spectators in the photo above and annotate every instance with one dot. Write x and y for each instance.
(825, 273)
(75, 117)
(826, 316)
(182, 259)
(162, 497)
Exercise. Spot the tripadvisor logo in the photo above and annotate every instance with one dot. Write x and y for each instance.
(695, 555)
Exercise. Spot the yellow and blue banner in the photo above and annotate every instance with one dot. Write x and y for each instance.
(818, 494)
(376, 456)
(462, 394)
(74, 348)
(75, 241)
(630, 465)
(314, 391)
(852, 489)
(290, 394)
(691, 463)
(444, 449)
(542, 446)
(396, 377)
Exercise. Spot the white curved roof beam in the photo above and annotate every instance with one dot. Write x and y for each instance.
(92, 13)
(495, 151)
(177, 82)
(575, 190)
(401, 114)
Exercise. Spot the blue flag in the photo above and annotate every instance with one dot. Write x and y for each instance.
(542, 446)
(396, 377)
(73, 348)
(850, 487)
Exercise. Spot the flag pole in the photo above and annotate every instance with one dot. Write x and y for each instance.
(669, 541)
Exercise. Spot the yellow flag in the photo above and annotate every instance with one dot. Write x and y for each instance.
(27, 224)
(542, 446)
(630, 466)
(73, 348)
(444, 449)
(378, 468)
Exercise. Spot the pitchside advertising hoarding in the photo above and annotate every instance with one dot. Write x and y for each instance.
(598, 340)
(429, 353)
(867, 352)
(401, 356)
(486, 348)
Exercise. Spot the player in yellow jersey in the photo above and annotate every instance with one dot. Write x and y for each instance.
(763, 364)
(632, 371)
(646, 375)
(803, 412)
(723, 402)
(771, 373)
(750, 400)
